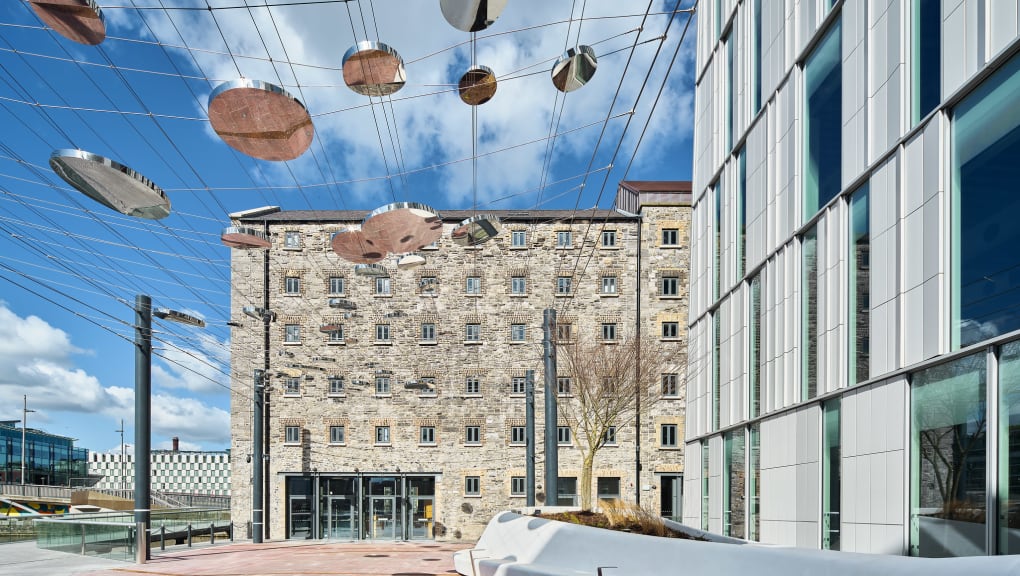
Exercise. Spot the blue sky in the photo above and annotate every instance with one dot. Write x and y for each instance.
(70, 268)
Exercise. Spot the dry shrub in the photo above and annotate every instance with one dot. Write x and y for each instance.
(624, 516)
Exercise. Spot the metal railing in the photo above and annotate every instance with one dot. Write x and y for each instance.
(36, 491)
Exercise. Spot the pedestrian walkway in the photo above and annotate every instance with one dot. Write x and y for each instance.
(288, 557)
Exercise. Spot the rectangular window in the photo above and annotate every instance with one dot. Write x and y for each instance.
(716, 359)
(564, 331)
(985, 146)
(336, 386)
(754, 357)
(336, 285)
(472, 385)
(741, 212)
(428, 285)
(518, 435)
(382, 384)
(671, 385)
(518, 285)
(667, 435)
(292, 387)
(564, 239)
(427, 435)
(292, 333)
(809, 314)
(705, 471)
(382, 285)
(927, 69)
(517, 486)
(830, 475)
(609, 238)
(382, 434)
(670, 286)
(382, 332)
(607, 489)
(472, 486)
(717, 192)
(292, 435)
(292, 284)
(734, 515)
(292, 240)
(428, 332)
(566, 491)
(563, 385)
(473, 285)
(756, 58)
(563, 435)
(518, 239)
(472, 332)
(948, 474)
(518, 384)
(670, 330)
(517, 332)
(860, 288)
(1009, 448)
(337, 435)
(472, 435)
(730, 77)
(609, 331)
(609, 438)
(563, 285)
(609, 284)
(754, 484)
(670, 237)
(823, 117)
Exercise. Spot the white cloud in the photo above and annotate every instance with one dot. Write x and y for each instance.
(198, 370)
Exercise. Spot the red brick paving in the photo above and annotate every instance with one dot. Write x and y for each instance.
(301, 558)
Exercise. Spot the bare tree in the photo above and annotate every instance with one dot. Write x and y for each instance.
(608, 380)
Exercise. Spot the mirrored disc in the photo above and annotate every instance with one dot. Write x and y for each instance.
(403, 226)
(471, 15)
(79, 20)
(476, 230)
(477, 85)
(111, 184)
(355, 246)
(260, 119)
(330, 327)
(371, 270)
(342, 303)
(244, 237)
(574, 69)
(373, 69)
(410, 261)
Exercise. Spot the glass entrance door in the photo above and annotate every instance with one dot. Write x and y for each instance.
(300, 517)
(383, 518)
(340, 522)
(671, 498)
(421, 510)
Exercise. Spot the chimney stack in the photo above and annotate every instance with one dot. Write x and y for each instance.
(177, 444)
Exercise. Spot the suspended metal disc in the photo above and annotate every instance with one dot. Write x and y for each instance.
(244, 237)
(111, 184)
(410, 261)
(403, 226)
(476, 230)
(373, 69)
(342, 303)
(355, 246)
(331, 327)
(574, 69)
(477, 85)
(371, 270)
(260, 119)
(79, 20)
(471, 15)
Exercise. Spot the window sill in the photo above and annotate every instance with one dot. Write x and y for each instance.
(344, 395)
(669, 296)
(382, 444)
(293, 248)
(670, 397)
(472, 495)
(382, 343)
(564, 294)
(427, 343)
(517, 445)
(517, 342)
(564, 248)
(669, 246)
(472, 342)
(428, 444)
(472, 294)
(518, 247)
(565, 445)
(471, 396)
(670, 448)
(516, 295)
(610, 247)
(671, 339)
(382, 295)
(295, 444)
(291, 294)
(609, 341)
(613, 445)
(377, 395)
(517, 394)
(292, 343)
(613, 295)
(292, 395)
(472, 445)
(337, 443)
(429, 395)
(336, 295)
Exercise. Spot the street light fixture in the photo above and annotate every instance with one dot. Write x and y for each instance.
(143, 411)
(24, 427)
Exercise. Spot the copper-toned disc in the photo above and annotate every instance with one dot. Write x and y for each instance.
(410, 261)
(574, 69)
(78, 20)
(403, 226)
(354, 246)
(476, 230)
(471, 15)
(477, 85)
(371, 270)
(260, 119)
(244, 237)
(373, 69)
(111, 183)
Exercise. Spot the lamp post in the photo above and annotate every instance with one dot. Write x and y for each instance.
(24, 427)
(258, 431)
(121, 430)
(143, 408)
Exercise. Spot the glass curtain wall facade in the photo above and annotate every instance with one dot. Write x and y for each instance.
(49, 459)
(862, 256)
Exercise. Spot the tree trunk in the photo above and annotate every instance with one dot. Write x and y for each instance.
(584, 487)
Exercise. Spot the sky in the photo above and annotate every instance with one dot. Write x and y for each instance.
(70, 268)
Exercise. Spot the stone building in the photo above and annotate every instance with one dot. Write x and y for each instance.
(396, 404)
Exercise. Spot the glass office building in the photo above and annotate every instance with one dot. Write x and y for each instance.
(49, 459)
(854, 352)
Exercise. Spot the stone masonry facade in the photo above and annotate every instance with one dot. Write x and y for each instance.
(324, 386)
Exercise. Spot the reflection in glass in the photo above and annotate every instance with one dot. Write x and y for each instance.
(734, 520)
(809, 314)
(373, 69)
(754, 484)
(986, 263)
(1009, 449)
(574, 69)
(754, 348)
(823, 87)
(704, 485)
(716, 384)
(831, 477)
(927, 57)
(948, 456)
(860, 287)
